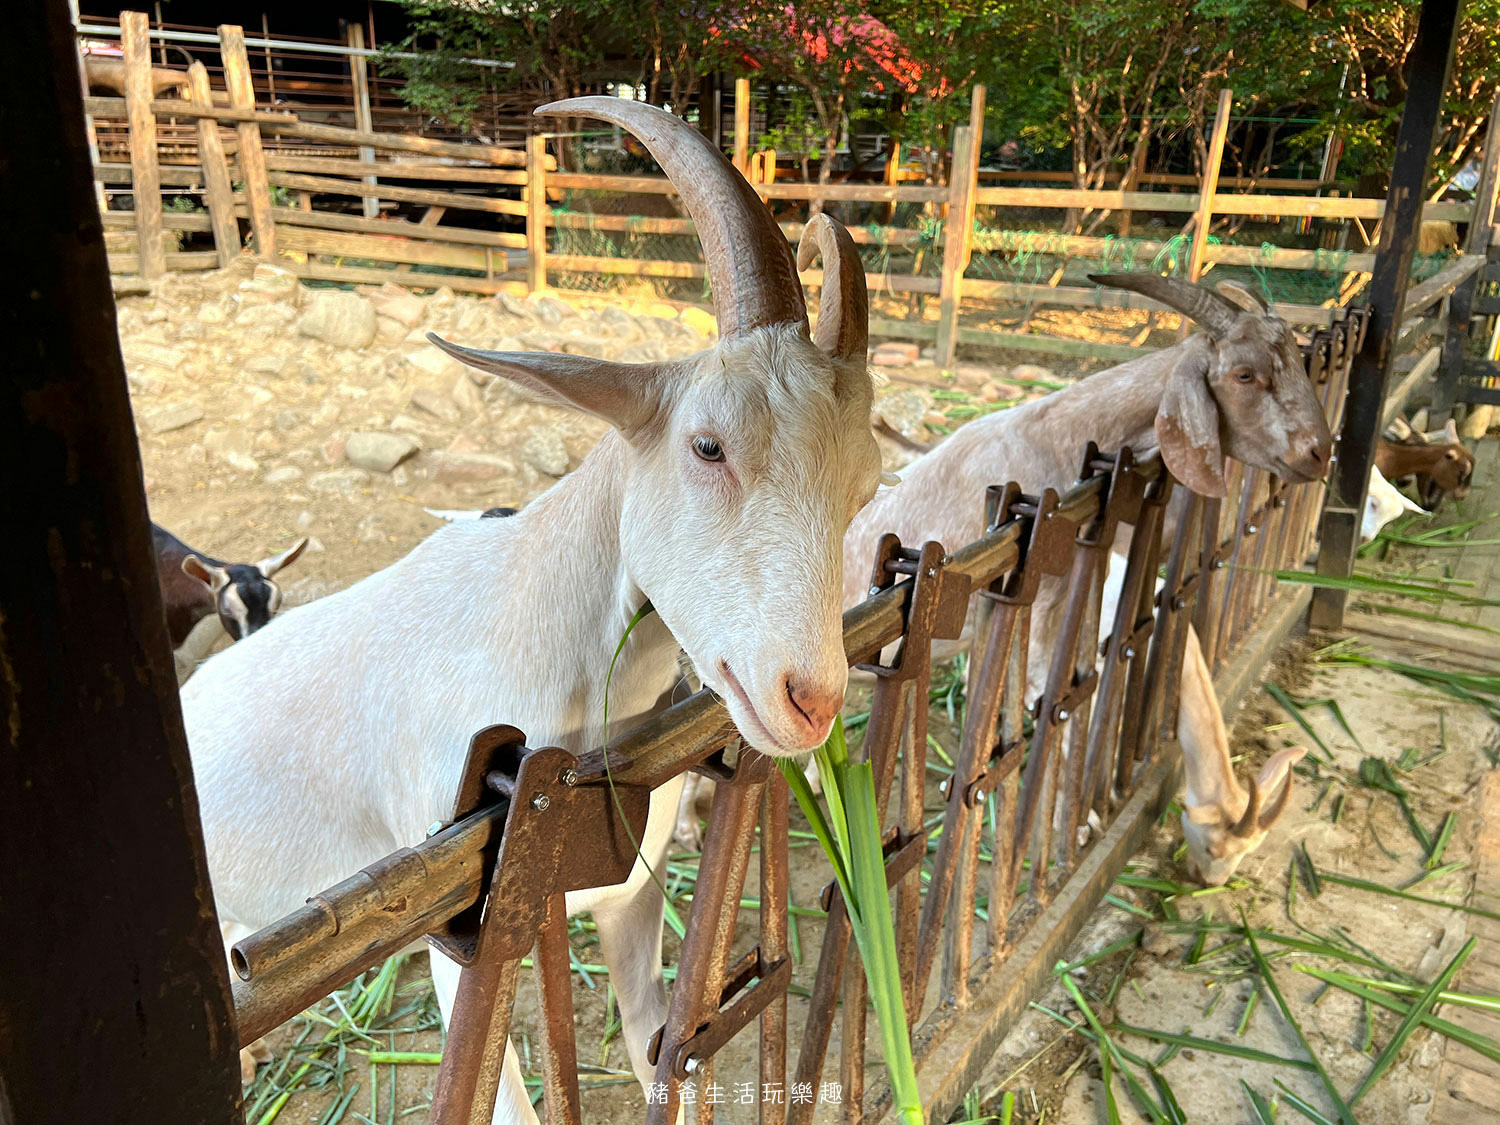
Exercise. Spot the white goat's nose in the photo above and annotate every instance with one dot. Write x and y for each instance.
(812, 705)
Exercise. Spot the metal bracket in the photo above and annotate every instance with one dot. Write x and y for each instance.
(1004, 761)
(939, 603)
(743, 1005)
(1080, 689)
(1045, 548)
(902, 852)
(559, 836)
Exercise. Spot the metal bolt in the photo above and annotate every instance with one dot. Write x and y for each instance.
(692, 1064)
(932, 572)
(1178, 603)
(569, 777)
(1251, 529)
(874, 590)
(541, 802)
(435, 827)
(1130, 652)
(1220, 564)
(1062, 716)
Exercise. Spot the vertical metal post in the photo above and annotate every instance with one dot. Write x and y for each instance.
(1461, 304)
(1430, 62)
(114, 997)
(359, 74)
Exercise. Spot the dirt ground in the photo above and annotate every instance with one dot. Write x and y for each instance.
(247, 389)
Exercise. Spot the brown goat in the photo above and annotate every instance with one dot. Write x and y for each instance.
(1441, 470)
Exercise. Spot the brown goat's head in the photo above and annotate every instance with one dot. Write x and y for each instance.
(1239, 389)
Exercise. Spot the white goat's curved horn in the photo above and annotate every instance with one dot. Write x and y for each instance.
(843, 305)
(1204, 306)
(750, 268)
(1250, 822)
(1274, 810)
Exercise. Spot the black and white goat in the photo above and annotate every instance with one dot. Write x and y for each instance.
(193, 585)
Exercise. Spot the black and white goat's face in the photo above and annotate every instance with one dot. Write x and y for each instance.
(245, 596)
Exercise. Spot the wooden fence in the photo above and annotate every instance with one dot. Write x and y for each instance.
(484, 219)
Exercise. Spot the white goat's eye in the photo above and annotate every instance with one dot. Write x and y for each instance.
(707, 449)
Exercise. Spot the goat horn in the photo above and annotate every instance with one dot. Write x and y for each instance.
(1203, 306)
(843, 305)
(1251, 820)
(749, 263)
(1277, 807)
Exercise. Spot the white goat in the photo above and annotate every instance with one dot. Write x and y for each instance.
(337, 734)
(1240, 389)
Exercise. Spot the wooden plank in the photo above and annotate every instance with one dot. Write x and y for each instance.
(1099, 298)
(868, 193)
(219, 191)
(955, 253)
(878, 283)
(742, 124)
(183, 260)
(1052, 345)
(118, 173)
(1423, 296)
(536, 213)
(111, 936)
(322, 185)
(196, 221)
(1330, 207)
(390, 248)
(174, 107)
(584, 263)
(361, 275)
(250, 157)
(145, 188)
(332, 220)
(1206, 192)
(392, 169)
(1077, 197)
(359, 75)
(493, 154)
(1224, 204)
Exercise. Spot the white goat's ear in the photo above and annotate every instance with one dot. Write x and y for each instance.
(626, 395)
(214, 577)
(1187, 426)
(1243, 296)
(1278, 767)
(1451, 432)
(1408, 503)
(269, 566)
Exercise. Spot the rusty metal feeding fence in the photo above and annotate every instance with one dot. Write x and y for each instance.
(531, 824)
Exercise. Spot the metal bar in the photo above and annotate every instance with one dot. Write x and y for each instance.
(774, 881)
(469, 1080)
(559, 1049)
(1430, 62)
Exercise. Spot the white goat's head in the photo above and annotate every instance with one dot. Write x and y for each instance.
(1383, 503)
(1222, 832)
(1240, 389)
(745, 463)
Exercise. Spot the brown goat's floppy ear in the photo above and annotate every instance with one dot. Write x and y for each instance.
(626, 395)
(214, 577)
(1187, 427)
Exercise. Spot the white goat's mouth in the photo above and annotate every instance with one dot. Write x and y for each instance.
(759, 732)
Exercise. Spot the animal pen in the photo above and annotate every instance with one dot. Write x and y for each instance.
(1009, 883)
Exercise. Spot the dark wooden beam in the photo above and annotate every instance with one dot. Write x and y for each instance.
(1428, 64)
(114, 996)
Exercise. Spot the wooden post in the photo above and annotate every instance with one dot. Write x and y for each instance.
(1461, 304)
(1206, 190)
(536, 213)
(1431, 61)
(145, 174)
(1132, 183)
(359, 73)
(956, 241)
(977, 99)
(115, 1000)
(219, 190)
(741, 123)
(251, 159)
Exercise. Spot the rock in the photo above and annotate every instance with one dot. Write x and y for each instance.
(210, 313)
(990, 393)
(904, 411)
(895, 354)
(283, 474)
(399, 304)
(436, 362)
(587, 345)
(545, 452)
(340, 318)
(333, 450)
(549, 310)
(513, 305)
(933, 418)
(378, 452)
(371, 529)
(459, 468)
(463, 443)
(234, 447)
(971, 376)
(647, 351)
(540, 342)
(138, 351)
(467, 396)
(305, 520)
(700, 321)
(348, 481)
(271, 318)
(269, 285)
(143, 384)
(173, 417)
(267, 363)
(287, 420)
(1031, 372)
(435, 404)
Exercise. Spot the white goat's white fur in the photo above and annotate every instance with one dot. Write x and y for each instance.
(338, 733)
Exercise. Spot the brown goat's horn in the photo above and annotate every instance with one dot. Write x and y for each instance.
(750, 268)
(1250, 822)
(843, 305)
(1203, 306)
